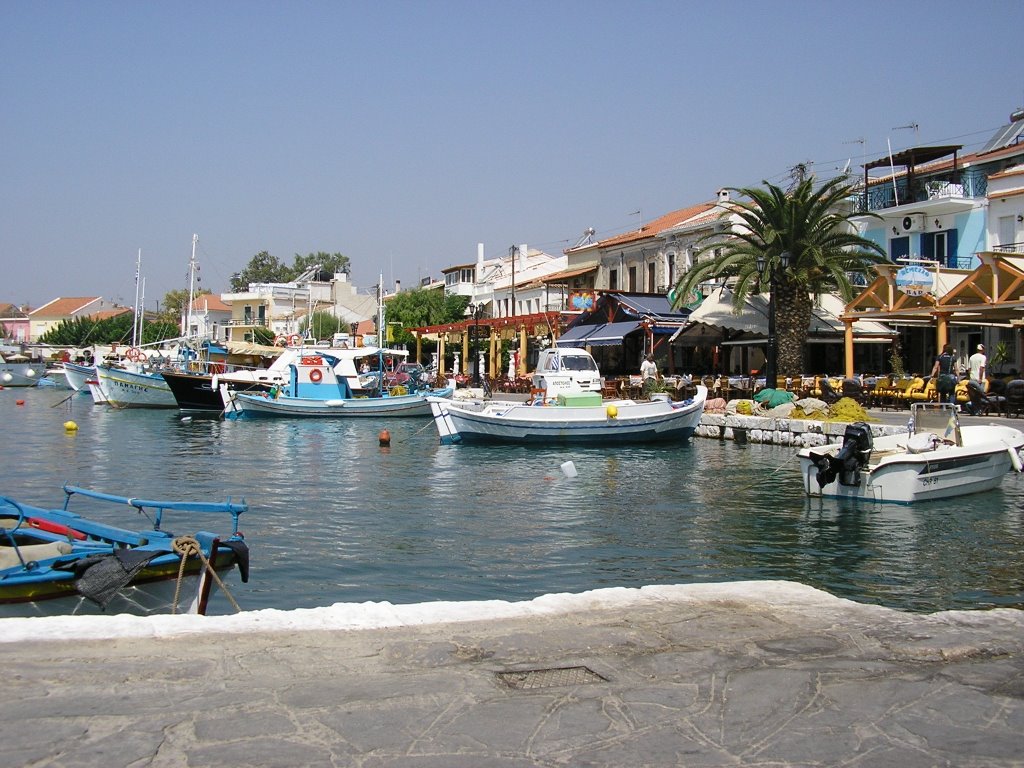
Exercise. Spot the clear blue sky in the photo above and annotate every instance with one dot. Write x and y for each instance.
(403, 133)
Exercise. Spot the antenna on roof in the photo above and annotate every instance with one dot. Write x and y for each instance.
(910, 126)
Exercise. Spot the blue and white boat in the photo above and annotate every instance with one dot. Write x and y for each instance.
(327, 383)
(581, 417)
(58, 562)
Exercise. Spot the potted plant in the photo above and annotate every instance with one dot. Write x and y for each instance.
(1000, 355)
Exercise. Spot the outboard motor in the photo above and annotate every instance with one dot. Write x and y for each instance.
(849, 460)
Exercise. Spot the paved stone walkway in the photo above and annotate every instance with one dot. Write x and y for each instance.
(771, 674)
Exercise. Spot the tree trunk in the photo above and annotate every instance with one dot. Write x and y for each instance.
(792, 323)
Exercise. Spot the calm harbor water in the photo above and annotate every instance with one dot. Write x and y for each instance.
(336, 518)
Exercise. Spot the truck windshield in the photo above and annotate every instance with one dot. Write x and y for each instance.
(578, 364)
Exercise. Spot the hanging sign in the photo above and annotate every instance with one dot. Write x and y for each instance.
(581, 301)
(914, 280)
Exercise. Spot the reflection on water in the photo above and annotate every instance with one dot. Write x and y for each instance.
(337, 518)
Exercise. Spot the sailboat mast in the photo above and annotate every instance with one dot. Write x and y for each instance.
(135, 317)
(191, 288)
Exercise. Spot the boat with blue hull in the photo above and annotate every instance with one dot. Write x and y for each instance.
(571, 418)
(327, 385)
(54, 561)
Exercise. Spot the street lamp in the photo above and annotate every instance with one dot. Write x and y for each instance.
(770, 358)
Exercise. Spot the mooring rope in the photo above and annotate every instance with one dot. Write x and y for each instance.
(187, 546)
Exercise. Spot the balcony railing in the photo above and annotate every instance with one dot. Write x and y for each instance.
(969, 184)
(1009, 248)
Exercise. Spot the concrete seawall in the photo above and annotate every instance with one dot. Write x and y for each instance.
(801, 433)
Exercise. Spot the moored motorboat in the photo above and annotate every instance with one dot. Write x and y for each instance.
(55, 561)
(937, 459)
(17, 370)
(571, 418)
(201, 393)
(325, 383)
(139, 388)
(77, 374)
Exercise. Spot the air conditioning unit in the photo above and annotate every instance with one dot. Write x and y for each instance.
(912, 222)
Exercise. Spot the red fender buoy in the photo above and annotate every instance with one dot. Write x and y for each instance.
(384, 437)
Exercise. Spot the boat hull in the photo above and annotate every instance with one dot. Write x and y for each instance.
(612, 422)
(56, 562)
(77, 375)
(152, 592)
(127, 389)
(948, 471)
(21, 374)
(195, 393)
(247, 405)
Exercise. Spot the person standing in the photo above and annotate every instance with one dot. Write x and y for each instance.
(648, 368)
(977, 364)
(945, 368)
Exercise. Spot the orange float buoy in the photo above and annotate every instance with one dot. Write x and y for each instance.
(384, 437)
(19, 402)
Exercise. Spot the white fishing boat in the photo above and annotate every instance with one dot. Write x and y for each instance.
(327, 383)
(573, 417)
(77, 375)
(17, 370)
(133, 388)
(936, 459)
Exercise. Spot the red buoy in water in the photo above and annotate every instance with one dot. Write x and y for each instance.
(384, 437)
(19, 402)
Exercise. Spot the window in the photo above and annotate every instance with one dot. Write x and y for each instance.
(632, 279)
(899, 248)
(613, 279)
(650, 278)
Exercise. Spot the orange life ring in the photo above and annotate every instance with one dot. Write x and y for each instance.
(316, 375)
(134, 354)
(294, 340)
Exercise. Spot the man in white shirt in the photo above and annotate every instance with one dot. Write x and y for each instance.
(976, 364)
(648, 368)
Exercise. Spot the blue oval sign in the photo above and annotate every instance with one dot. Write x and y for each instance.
(914, 280)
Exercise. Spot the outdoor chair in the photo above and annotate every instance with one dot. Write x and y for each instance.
(1015, 398)
(930, 393)
(855, 390)
(977, 400)
(828, 394)
(997, 395)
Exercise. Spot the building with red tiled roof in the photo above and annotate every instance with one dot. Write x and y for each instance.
(51, 314)
(649, 259)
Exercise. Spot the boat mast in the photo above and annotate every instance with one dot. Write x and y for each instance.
(191, 288)
(135, 318)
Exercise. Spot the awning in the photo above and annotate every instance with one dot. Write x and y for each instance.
(611, 333)
(574, 337)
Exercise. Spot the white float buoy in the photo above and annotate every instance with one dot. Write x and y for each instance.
(569, 469)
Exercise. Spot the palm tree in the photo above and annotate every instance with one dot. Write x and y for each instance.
(813, 227)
